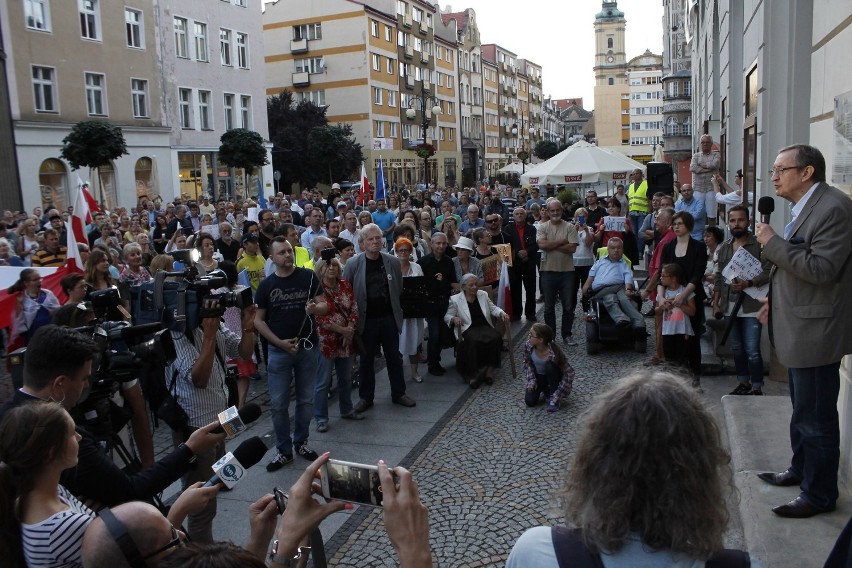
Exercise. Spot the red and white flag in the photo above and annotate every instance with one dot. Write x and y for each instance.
(504, 292)
(75, 227)
(365, 185)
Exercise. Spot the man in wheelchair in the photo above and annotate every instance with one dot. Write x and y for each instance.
(610, 283)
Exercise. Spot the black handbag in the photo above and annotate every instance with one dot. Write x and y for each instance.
(170, 411)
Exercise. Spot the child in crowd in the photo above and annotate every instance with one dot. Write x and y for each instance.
(546, 369)
(677, 328)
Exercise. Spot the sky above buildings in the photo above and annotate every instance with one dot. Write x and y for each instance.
(558, 35)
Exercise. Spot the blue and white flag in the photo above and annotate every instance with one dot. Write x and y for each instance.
(381, 192)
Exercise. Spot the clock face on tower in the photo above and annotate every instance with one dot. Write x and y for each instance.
(610, 59)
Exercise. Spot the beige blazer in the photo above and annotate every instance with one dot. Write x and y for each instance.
(458, 308)
(811, 284)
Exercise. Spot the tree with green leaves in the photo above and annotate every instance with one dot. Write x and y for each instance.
(93, 144)
(546, 149)
(334, 149)
(242, 148)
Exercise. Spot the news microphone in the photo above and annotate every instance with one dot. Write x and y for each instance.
(232, 466)
(233, 421)
(765, 205)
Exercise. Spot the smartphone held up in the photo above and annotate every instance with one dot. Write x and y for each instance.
(352, 482)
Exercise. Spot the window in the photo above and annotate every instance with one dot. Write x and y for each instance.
(406, 131)
(139, 95)
(225, 46)
(204, 110)
(200, 41)
(37, 14)
(315, 97)
(245, 111)
(610, 81)
(44, 89)
(388, 33)
(181, 47)
(228, 105)
(391, 98)
(135, 30)
(377, 96)
(242, 51)
(390, 66)
(452, 134)
(377, 62)
(185, 102)
(401, 7)
(308, 31)
(240, 3)
(416, 14)
(380, 129)
(89, 19)
(95, 94)
(310, 65)
(374, 28)
(392, 133)
(609, 42)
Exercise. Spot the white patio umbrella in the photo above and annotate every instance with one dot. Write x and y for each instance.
(582, 163)
(512, 168)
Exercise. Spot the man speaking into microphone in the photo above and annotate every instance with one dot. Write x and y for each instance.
(808, 314)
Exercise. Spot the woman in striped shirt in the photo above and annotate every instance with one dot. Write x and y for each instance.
(41, 523)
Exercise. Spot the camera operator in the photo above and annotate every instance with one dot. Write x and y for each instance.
(57, 367)
(199, 370)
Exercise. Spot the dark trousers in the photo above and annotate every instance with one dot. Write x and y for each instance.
(815, 431)
(581, 274)
(381, 331)
(524, 274)
(546, 384)
(433, 346)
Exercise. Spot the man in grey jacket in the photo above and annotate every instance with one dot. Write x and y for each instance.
(376, 278)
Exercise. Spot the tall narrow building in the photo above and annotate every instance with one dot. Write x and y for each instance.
(612, 95)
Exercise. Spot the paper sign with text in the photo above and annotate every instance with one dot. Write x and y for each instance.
(615, 224)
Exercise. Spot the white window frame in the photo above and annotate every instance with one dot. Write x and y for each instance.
(185, 108)
(95, 93)
(406, 131)
(311, 65)
(377, 96)
(31, 19)
(245, 112)
(139, 97)
(391, 98)
(225, 55)
(41, 85)
(90, 19)
(228, 110)
(374, 28)
(308, 31)
(392, 130)
(390, 66)
(242, 46)
(134, 28)
(388, 33)
(205, 116)
(181, 26)
(201, 43)
(380, 129)
(377, 61)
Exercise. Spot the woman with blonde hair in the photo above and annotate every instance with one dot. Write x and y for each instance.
(646, 486)
(27, 240)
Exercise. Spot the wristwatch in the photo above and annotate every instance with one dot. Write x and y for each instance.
(287, 561)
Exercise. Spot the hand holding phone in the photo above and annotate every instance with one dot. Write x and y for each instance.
(406, 517)
(351, 482)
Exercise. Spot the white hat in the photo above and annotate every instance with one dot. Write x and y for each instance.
(335, 186)
(464, 243)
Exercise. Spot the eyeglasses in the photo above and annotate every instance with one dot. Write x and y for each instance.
(177, 540)
(778, 170)
(407, 251)
(491, 220)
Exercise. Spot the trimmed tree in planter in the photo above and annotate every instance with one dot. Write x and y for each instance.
(242, 148)
(93, 144)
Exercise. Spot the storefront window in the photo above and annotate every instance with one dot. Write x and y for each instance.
(53, 184)
(145, 178)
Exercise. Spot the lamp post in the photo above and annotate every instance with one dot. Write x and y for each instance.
(422, 103)
(523, 155)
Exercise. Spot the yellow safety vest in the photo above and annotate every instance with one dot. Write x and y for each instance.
(303, 258)
(637, 199)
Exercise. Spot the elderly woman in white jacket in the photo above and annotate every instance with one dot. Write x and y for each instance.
(471, 314)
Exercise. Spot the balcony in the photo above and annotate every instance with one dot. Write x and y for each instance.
(409, 51)
(409, 81)
(427, 86)
(406, 20)
(505, 109)
(424, 57)
(505, 87)
(298, 45)
(424, 27)
(508, 129)
(504, 66)
(301, 79)
(514, 90)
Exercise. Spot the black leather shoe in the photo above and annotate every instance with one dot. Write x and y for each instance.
(784, 479)
(404, 400)
(799, 508)
(437, 370)
(362, 405)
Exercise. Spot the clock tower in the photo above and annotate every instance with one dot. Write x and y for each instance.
(612, 124)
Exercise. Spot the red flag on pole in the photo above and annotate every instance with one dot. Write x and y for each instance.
(84, 206)
(365, 185)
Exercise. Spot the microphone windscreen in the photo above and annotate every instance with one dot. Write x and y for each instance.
(250, 452)
(766, 205)
(249, 413)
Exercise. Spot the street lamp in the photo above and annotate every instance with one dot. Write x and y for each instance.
(523, 155)
(421, 103)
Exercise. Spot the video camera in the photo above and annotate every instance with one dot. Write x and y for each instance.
(180, 303)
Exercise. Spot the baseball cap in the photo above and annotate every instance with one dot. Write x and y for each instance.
(342, 204)
(335, 186)
(249, 237)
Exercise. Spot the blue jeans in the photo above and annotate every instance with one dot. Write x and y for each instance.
(381, 331)
(636, 220)
(560, 284)
(745, 345)
(343, 366)
(815, 431)
(282, 368)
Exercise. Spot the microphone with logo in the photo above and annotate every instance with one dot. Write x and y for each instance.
(233, 421)
(231, 467)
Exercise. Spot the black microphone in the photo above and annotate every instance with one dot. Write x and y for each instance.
(765, 205)
(247, 414)
(232, 466)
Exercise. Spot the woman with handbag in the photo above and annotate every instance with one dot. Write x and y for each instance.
(411, 336)
(336, 330)
(471, 314)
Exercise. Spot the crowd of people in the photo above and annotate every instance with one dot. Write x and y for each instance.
(328, 279)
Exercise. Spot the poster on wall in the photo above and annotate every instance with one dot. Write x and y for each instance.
(841, 170)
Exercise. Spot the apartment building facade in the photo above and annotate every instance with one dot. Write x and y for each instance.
(644, 75)
(370, 63)
(677, 90)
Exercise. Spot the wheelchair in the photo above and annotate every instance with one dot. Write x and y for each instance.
(601, 329)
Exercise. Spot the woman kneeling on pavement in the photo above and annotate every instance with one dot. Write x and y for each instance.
(470, 314)
(546, 369)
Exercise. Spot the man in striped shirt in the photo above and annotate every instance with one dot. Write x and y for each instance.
(51, 253)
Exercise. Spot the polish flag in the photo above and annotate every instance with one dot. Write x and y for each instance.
(75, 228)
(365, 185)
(504, 293)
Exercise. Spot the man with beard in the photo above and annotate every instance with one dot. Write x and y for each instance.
(746, 329)
(267, 230)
